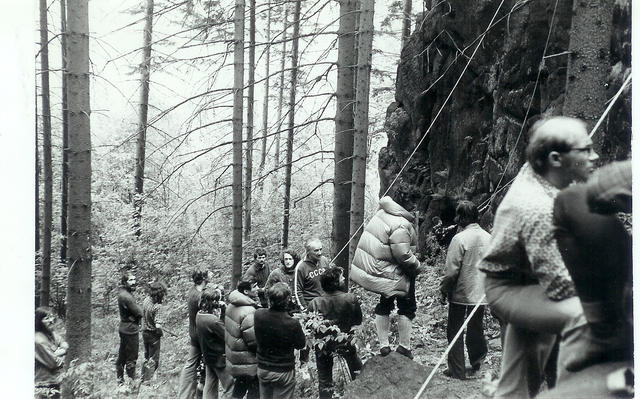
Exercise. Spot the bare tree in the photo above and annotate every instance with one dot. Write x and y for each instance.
(292, 105)
(361, 122)
(141, 142)
(78, 319)
(238, 85)
(281, 91)
(265, 104)
(343, 149)
(46, 158)
(406, 21)
(250, 103)
(65, 135)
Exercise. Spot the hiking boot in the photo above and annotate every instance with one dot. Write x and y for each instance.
(385, 350)
(404, 351)
(447, 373)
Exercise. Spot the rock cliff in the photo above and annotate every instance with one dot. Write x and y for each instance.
(475, 146)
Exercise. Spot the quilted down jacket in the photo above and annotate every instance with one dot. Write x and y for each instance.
(240, 337)
(384, 261)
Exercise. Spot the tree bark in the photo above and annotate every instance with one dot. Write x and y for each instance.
(292, 106)
(343, 149)
(238, 85)
(283, 59)
(588, 64)
(250, 103)
(406, 21)
(265, 104)
(361, 123)
(65, 136)
(145, 70)
(78, 321)
(47, 221)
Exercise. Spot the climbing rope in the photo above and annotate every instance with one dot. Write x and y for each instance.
(613, 101)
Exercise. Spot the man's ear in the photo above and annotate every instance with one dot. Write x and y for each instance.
(554, 159)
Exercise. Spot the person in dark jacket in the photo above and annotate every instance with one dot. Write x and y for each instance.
(151, 329)
(277, 335)
(240, 341)
(285, 273)
(463, 286)
(258, 273)
(50, 350)
(343, 309)
(308, 271)
(188, 376)
(130, 316)
(210, 328)
(385, 263)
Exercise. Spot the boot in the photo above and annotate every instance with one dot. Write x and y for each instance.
(383, 325)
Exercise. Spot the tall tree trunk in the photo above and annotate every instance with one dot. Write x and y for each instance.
(145, 70)
(65, 135)
(37, 193)
(343, 150)
(79, 252)
(46, 158)
(292, 106)
(238, 85)
(276, 180)
(265, 104)
(588, 64)
(406, 21)
(250, 101)
(361, 122)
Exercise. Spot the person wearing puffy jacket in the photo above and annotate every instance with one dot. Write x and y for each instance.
(240, 341)
(385, 263)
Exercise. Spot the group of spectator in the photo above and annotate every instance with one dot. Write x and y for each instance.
(555, 271)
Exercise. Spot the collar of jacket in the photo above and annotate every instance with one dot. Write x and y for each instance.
(237, 298)
(391, 207)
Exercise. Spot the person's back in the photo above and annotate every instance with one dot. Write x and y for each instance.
(340, 307)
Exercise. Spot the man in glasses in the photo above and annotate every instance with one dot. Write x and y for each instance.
(527, 284)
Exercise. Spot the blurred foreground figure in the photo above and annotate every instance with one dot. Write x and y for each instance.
(527, 284)
(596, 249)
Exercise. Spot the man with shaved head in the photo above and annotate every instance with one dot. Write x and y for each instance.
(308, 271)
(527, 284)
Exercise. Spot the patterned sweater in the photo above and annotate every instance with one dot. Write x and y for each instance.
(522, 243)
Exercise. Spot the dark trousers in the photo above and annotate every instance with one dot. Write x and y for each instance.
(476, 343)
(324, 362)
(127, 355)
(246, 385)
(406, 305)
(277, 385)
(151, 343)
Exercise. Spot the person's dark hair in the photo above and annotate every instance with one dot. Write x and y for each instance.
(279, 295)
(199, 275)
(330, 280)
(466, 213)
(243, 286)
(545, 139)
(404, 195)
(258, 252)
(210, 299)
(41, 313)
(157, 291)
(294, 255)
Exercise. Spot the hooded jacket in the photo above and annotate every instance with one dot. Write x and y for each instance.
(384, 261)
(240, 338)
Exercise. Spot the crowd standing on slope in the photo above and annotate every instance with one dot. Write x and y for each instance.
(555, 271)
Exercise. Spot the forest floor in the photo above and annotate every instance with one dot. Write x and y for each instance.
(97, 379)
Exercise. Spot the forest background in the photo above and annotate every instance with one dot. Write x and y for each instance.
(21, 215)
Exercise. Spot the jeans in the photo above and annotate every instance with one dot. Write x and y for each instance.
(188, 381)
(215, 375)
(246, 385)
(127, 355)
(324, 362)
(533, 323)
(277, 385)
(406, 305)
(476, 343)
(151, 343)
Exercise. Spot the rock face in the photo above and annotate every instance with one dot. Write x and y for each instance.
(475, 146)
